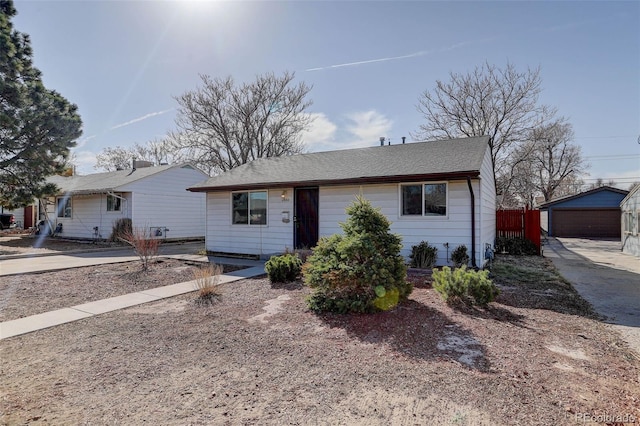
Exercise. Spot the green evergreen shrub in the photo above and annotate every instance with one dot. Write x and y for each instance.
(515, 245)
(423, 255)
(360, 271)
(283, 269)
(464, 285)
(459, 256)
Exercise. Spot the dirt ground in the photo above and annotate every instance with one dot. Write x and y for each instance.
(257, 356)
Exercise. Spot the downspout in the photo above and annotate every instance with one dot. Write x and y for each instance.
(473, 224)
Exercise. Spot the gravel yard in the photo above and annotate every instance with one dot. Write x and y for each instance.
(258, 356)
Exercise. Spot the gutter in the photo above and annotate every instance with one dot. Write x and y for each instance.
(473, 224)
(338, 182)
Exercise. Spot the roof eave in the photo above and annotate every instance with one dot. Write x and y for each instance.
(472, 174)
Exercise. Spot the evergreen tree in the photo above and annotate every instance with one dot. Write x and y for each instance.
(37, 125)
(360, 271)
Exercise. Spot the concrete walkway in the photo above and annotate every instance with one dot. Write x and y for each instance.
(86, 310)
(604, 276)
(24, 264)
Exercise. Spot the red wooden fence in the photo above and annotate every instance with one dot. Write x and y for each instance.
(520, 223)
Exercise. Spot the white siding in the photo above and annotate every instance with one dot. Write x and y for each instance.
(87, 212)
(161, 200)
(264, 240)
(454, 229)
(487, 209)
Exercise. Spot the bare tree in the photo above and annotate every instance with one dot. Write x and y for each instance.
(226, 125)
(157, 151)
(499, 103)
(551, 161)
(111, 159)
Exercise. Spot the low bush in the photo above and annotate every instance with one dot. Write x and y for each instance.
(423, 255)
(464, 285)
(459, 256)
(121, 228)
(144, 244)
(515, 245)
(284, 268)
(206, 281)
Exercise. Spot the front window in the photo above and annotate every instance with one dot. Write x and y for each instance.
(63, 206)
(249, 208)
(428, 199)
(114, 203)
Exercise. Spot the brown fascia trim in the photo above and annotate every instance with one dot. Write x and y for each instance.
(340, 182)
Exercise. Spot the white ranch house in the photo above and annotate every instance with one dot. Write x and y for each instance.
(442, 192)
(156, 198)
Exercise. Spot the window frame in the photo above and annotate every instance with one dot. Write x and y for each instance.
(630, 222)
(117, 197)
(249, 209)
(423, 214)
(62, 213)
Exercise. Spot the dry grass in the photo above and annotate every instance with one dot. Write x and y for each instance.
(144, 244)
(206, 280)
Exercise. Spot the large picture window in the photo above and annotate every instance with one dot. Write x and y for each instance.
(428, 199)
(63, 206)
(249, 208)
(114, 203)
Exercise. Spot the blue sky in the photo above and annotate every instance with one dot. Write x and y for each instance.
(122, 62)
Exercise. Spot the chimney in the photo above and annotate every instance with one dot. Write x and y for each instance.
(134, 163)
(403, 138)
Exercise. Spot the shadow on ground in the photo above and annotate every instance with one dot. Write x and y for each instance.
(414, 330)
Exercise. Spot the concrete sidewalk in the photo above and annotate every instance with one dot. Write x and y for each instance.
(86, 310)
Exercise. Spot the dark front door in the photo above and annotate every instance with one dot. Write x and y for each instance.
(306, 217)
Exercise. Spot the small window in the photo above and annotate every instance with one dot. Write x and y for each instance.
(629, 223)
(429, 199)
(249, 208)
(114, 203)
(63, 206)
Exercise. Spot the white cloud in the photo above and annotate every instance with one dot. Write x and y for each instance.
(321, 131)
(84, 161)
(368, 127)
(144, 117)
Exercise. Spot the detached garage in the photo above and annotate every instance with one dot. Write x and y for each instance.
(590, 214)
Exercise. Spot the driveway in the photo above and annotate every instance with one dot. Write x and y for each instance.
(606, 277)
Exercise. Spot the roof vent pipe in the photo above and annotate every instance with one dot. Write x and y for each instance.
(403, 139)
(382, 139)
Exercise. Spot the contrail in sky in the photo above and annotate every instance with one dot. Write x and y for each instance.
(144, 117)
(411, 55)
(370, 61)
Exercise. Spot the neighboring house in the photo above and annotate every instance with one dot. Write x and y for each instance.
(152, 197)
(442, 192)
(630, 208)
(589, 214)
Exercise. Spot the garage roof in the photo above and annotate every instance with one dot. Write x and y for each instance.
(569, 198)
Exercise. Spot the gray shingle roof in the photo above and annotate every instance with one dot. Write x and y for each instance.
(544, 206)
(103, 182)
(412, 161)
